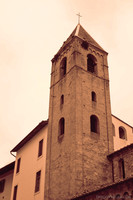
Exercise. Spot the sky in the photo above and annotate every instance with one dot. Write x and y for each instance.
(31, 33)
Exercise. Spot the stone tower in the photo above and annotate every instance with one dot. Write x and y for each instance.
(80, 127)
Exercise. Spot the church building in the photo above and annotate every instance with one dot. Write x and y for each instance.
(82, 152)
(81, 162)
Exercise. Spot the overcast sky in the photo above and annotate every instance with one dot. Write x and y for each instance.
(31, 32)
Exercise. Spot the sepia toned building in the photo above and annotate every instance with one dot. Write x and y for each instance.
(29, 172)
(6, 177)
(81, 161)
(82, 151)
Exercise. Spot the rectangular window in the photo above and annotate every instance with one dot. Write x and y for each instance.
(15, 192)
(121, 169)
(37, 184)
(18, 165)
(2, 184)
(40, 148)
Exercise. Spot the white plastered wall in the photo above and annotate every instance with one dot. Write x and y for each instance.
(30, 164)
(118, 142)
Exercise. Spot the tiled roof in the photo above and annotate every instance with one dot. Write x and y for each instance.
(130, 146)
(80, 32)
(30, 135)
(7, 168)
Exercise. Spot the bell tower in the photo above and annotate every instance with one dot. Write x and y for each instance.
(80, 126)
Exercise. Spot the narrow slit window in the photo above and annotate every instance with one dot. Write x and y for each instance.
(37, 184)
(18, 165)
(40, 149)
(62, 100)
(93, 96)
(61, 126)
(113, 129)
(121, 169)
(2, 185)
(15, 192)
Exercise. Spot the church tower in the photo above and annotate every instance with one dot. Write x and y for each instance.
(80, 127)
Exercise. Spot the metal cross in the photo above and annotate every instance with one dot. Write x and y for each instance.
(79, 18)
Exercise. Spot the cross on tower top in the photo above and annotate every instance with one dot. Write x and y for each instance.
(79, 18)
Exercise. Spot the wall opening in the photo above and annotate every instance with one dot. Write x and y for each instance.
(113, 129)
(94, 123)
(63, 67)
(91, 63)
(121, 169)
(62, 100)
(122, 133)
(93, 96)
(61, 126)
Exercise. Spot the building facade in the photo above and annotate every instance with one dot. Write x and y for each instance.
(122, 133)
(6, 177)
(29, 171)
(80, 130)
(82, 151)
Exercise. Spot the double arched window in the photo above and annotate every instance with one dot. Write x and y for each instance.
(91, 63)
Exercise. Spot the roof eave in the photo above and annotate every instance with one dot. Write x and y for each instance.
(30, 136)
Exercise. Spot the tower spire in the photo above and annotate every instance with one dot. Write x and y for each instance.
(79, 17)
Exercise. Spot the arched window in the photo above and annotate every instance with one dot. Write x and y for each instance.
(61, 126)
(63, 67)
(93, 96)
(121, 168)
(113, 129)
(118, 197)
(94, 123)
(122, 133)
(91, 63)
(126, 196)
(132, 194)
(62, 99)
(110, 198)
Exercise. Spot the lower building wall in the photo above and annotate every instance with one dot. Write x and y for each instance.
(122, 190)
(30, 164)
(7, 187)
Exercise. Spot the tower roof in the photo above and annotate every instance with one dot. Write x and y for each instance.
(80, 32)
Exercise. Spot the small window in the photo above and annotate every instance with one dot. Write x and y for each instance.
(91, 63)
(121, 169)
(62, 100)
(18, 165)
(118, 197)
(113, 129)
(122, 133)
(110, 198)
(126, 196)
(2, 185)
(61, 126)
(40, 148)
(63, 67)
(94, 123)
(37, 184)
(15, 192)
(93, 96)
